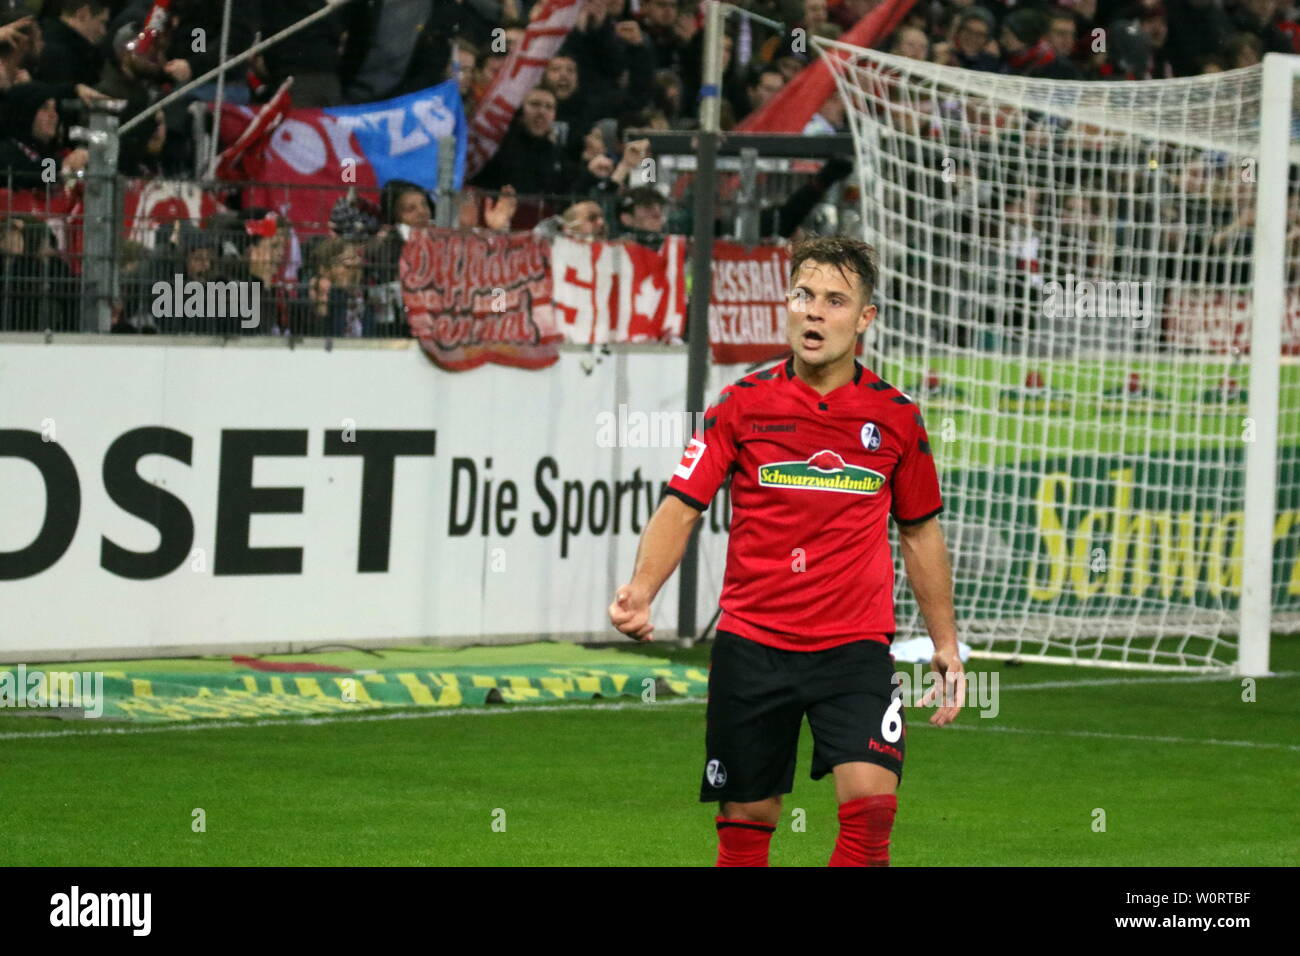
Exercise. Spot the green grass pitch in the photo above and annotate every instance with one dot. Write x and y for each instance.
(1186, 772)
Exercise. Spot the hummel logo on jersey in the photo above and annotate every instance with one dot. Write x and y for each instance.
(870, 436)
(715, 773)
(824, 471)
(690, 458)
(774, 428)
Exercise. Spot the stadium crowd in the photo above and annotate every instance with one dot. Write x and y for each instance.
(568, 161)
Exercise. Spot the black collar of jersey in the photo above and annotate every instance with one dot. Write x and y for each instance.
(857, 370)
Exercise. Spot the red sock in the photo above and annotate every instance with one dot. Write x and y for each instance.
(864, 831)
(743, 842)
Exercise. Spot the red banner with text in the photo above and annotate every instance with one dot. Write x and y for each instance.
(474, 297)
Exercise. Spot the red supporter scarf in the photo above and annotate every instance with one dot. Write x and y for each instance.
(1033, 57)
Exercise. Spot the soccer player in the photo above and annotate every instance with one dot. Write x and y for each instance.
(821, 454)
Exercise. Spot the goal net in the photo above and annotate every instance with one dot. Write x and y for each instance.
(1067, 289)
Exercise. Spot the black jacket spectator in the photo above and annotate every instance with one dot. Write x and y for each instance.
(1027, 51)
(532, 164)
(1197, 28)
(1260, 17)
(311, 55)
(22, 152)
(40, 291)
(68, 56)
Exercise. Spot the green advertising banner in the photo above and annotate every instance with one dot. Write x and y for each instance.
(1106, 490)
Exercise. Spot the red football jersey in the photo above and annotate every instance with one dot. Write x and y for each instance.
(815, 478)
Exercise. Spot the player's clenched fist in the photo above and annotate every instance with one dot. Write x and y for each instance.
(630, 613)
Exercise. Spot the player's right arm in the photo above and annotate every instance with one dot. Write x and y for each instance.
(698, 476)
(662, 545)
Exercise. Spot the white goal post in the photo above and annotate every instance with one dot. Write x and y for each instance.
(1092, 291)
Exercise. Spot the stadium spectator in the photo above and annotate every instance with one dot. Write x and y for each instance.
(33, 149)
(479, 209)
(403, 206)
(71, 53)
(262, 238)
(180, 59)
(528, 158)
(814, 21)
(601, 42)
(1089, 52)
(514, 37)
(1197, 29)
(970, 42)
(489, 65)
(601, 140)
(13, 272)
(1242, 50)
(578, 107)
(764, 83)
(386, 43)
(19, 48)
(464, 60)
(128, 77)
(667, 39)
(845, 14)
(790, 64)
(1027, 51)
(911, 43)
(584, 220)
(828, 120)
(476, 20)
(1062, 32)
(1263, 20)
(142, 150)
(735, 102)
(668, 96)
(641, 215)
(39, 289)
(1137, 48)
(311, 56)
(339, 306)
(1155, 27)
(192, 253)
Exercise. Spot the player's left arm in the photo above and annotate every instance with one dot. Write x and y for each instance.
(916, 507)
(929, 572)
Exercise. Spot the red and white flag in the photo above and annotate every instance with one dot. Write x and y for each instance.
(791, 109)
(229, 163)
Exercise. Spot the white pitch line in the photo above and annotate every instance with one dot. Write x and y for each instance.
(1120, 681)
(560, 708)
(1145, 738)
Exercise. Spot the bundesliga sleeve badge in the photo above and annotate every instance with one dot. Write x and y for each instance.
(690, 458)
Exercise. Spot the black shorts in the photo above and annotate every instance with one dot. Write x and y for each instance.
(758, 696)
